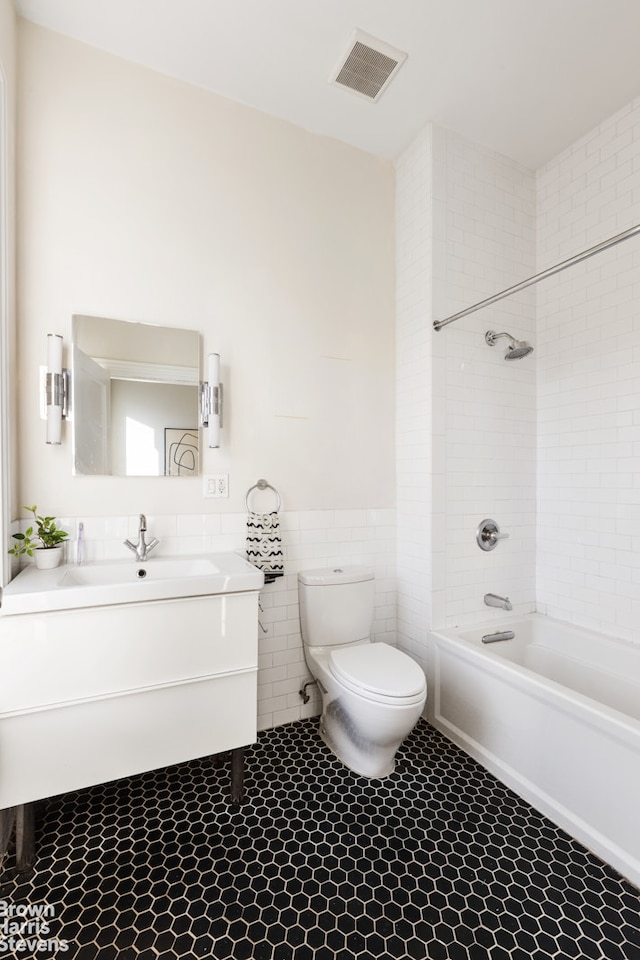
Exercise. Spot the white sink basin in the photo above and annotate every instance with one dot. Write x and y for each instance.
(127, 581)
(124, 571)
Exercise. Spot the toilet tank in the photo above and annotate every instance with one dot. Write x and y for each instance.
(336, 605)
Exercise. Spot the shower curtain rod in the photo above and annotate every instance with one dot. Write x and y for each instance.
(549, 272)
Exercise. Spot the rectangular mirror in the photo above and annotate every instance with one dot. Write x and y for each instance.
(134, 399)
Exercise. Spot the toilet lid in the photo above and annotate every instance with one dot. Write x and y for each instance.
(379, 669)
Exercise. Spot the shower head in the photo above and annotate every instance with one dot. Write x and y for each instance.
(516, 349)
(520, 349)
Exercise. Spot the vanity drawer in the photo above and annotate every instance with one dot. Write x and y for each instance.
(68, 655)
(73, 745)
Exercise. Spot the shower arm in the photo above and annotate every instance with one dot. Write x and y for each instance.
(491, 337)
(549, 272)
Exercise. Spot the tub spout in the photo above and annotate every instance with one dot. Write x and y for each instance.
(493, 600)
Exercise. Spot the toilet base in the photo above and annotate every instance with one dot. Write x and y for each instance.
(375, 772)
(363, 757)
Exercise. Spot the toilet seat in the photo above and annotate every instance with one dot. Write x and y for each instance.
(379, 672)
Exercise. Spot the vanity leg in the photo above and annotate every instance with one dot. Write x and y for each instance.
(25, 837)
(237, 775)
(7, 825)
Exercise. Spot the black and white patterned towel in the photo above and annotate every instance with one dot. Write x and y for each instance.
(264, 544)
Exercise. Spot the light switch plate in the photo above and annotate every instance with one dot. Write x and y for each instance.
(216, 485)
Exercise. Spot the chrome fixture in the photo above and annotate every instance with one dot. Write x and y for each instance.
(303, 691)
(549, 272)
(262, 484)
(211, 400)
(518, 348)
(54, 389)
(499, 635)
(488, 534)
(260, 623)
(493, 600)
(142, 549)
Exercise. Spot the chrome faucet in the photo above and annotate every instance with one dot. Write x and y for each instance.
(493, 600)
(142, 549)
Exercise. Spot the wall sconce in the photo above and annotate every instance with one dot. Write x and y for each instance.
(56, 389)
(211, 400)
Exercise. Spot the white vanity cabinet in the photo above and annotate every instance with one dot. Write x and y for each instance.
(92, 694)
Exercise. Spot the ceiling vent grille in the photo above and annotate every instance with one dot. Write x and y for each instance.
(368, 66)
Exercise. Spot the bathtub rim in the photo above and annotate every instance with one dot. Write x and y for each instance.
(546, 689)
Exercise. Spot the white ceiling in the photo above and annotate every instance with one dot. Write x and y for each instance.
(524, 77)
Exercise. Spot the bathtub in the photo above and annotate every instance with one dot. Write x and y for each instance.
(554, 713)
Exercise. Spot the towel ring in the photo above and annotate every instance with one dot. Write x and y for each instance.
(262, 485)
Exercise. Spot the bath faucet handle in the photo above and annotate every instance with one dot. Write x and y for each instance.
(488, 534)
(494, 535)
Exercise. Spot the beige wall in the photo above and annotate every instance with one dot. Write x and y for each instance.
(143, 198)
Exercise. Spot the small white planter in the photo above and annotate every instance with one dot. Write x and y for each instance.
(46, 558)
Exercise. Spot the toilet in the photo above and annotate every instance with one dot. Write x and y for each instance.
(372, 694)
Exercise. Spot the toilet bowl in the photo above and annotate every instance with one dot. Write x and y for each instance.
(372, 693)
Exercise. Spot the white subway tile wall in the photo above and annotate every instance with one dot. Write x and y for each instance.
(315, 538)
(485, 422)
(413, 394)
(466, 418)
(555, 460)
(589, 382)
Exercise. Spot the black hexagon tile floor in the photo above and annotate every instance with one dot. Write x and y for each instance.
(437, 861)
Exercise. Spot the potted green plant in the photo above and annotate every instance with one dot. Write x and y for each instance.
(45, 545)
